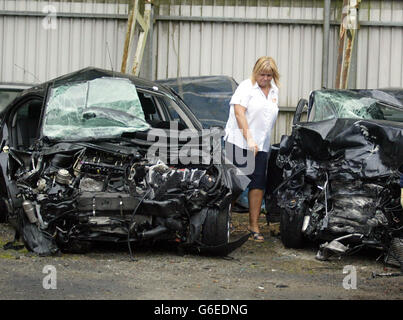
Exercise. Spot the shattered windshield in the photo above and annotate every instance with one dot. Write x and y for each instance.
(349, 104)
(99, 108)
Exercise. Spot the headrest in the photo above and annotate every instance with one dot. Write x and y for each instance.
(148, 105)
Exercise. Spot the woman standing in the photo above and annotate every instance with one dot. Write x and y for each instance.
(253, 113)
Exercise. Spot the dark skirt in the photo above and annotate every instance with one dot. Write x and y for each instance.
(253, 167)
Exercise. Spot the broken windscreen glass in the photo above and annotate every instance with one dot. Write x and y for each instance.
(349, 104)
(99, 108)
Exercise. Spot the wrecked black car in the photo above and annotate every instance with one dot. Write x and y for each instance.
(208, 97)
(101, 156)
(336, 177)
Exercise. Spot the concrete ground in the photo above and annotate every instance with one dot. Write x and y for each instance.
(255, 271)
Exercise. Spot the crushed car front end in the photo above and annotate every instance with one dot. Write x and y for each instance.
(340, 174)
(69, 193)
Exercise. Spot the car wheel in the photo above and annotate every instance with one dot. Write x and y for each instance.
(216, 227)
(291, 229)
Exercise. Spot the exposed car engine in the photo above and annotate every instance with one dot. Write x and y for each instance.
(80, 192)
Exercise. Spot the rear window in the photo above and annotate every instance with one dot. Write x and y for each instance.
(6, 96)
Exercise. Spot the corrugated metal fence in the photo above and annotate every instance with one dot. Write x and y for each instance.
(226, 37)
(40, 40)
(195, 37)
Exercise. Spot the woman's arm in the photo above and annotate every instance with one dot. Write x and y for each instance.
(243, 125)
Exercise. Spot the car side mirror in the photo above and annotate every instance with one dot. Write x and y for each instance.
(300, 110)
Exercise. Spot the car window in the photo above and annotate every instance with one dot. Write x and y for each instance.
(171, 109)
(6, 96)
(175, 112)
(152, 112)
(160, 109)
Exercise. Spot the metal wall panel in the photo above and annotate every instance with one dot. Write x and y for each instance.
(199, 48)
(207, 48)
(32, 52)
(380, 49)
(195, 48)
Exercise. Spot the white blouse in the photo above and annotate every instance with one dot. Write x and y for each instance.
(261, 114)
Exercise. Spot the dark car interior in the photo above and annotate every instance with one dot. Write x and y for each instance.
(25, 124)
(153, 115)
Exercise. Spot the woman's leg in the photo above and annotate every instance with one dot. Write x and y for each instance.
(256, 191)
(255, 204)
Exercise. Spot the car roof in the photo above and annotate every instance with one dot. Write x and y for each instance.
(202, 84)
(91, 73)
(14, 86)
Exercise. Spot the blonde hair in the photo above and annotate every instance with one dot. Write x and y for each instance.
(266, 64)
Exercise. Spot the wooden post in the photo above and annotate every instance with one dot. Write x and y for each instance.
(347, 58)
(144, 23)
(348, 29)
(142, 40)
(127, 42)
(341, 44)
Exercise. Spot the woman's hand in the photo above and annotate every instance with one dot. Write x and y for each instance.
(243, 125)
(401, 197)
(252, 146)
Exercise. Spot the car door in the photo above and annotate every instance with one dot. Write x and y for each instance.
(24, 121)
(19, 129)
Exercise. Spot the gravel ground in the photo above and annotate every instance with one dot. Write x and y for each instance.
(255, 271)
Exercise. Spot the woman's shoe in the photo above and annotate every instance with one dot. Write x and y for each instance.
(256, 236)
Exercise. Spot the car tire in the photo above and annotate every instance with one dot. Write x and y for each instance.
(291, 229)
(216, 227)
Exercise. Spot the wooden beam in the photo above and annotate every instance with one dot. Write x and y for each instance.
(347, 58)
(141, 44)
(348, 29)
(341, 45)
(144, 24)
(127, 42)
